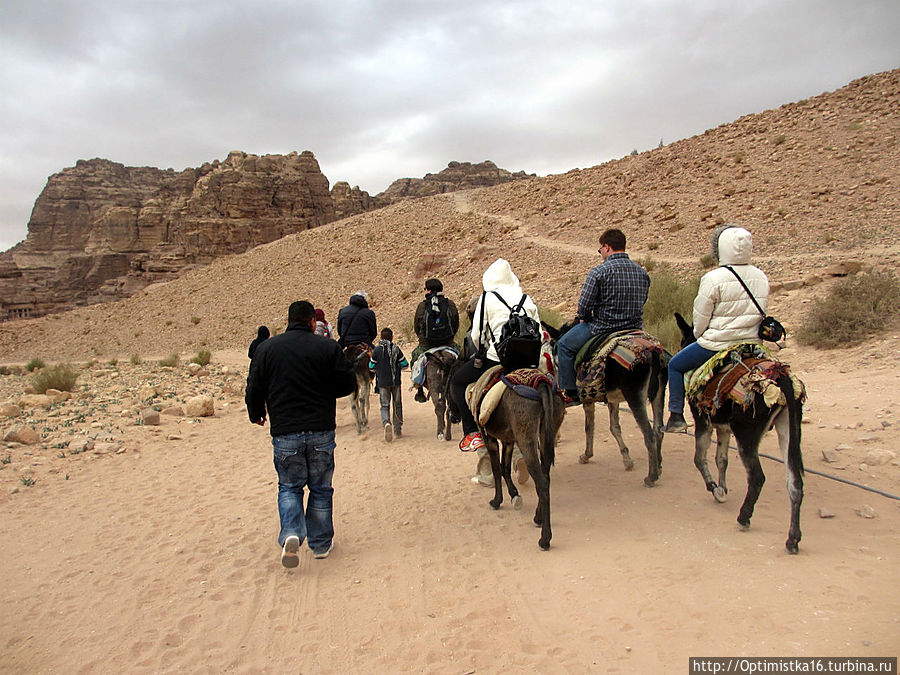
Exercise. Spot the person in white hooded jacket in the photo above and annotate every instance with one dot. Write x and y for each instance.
(497, 278)
(724, 315)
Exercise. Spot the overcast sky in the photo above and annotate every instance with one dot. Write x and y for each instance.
(391, 89)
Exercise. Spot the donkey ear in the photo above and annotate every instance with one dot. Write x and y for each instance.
(683, 325)
(553, 332)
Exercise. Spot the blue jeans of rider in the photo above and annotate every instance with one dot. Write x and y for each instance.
(305, 460)
(567, 348)
(692, 356)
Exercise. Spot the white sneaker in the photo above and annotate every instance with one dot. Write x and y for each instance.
(388, 432)
(325, 553)
(290, 556)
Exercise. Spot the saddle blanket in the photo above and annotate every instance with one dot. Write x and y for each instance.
(736, 374)
(417, 372)
(627, 348)
(483, 396)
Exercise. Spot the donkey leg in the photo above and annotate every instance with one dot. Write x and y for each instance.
(702, 439)
(723, 437)
(354, 408)
(589, 415)
(615, 428)
(439, 411)
(542, 513)
(794, 482)
(494, 453)
(635, 401)
(748, 446)
(514, 496)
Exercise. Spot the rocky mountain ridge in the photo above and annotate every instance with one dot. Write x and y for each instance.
(816, 181)
(101, 231)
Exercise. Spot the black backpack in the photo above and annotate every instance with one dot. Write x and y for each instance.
(519, 345)
(438, 327)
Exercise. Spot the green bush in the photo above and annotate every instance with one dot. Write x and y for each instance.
(707, 260)
(668, 294)
(170, 361)
(854, 309)
(35, 364)
(60, 376)
(135, 359)
(202, 358)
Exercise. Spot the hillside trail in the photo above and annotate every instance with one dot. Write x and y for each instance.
(163, 559)
(463, 203)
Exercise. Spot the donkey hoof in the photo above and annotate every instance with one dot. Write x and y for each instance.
(743, 527)
(792, 546)
(583, 459)
(517, 502)
(544, 546)
(440, 437)
(494, 504)
(629, 464)
(649, 482)
(719, 494)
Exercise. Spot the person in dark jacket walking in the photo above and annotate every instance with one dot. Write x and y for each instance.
(356, 322)
(387, 361)
(295, 377)
(262, 333)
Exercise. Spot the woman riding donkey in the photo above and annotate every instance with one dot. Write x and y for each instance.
(498, 280)
(724, 313)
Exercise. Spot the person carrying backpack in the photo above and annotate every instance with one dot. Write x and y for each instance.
(436, 322)
(386, 362)
(501, 292)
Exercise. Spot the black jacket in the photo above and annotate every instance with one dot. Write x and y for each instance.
(296, 377)
(262, 333)
(419, 323)
(356, 323)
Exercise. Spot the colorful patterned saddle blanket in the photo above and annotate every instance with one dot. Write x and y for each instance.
(627, 348)
(738, 373)
(483, 396)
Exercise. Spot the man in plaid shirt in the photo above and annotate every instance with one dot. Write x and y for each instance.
(612, 299)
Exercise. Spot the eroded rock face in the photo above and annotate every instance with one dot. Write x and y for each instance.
(457, 176)
(101, 230)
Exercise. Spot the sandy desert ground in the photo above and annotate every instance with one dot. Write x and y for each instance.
(159, 555)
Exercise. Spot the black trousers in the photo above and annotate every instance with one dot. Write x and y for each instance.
(465, 376)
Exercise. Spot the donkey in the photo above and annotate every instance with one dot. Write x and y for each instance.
(359, 355)
(749, 426)
(438, 370)
(533, 425)
(646, 382)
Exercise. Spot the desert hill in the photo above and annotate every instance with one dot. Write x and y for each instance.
(816, 181)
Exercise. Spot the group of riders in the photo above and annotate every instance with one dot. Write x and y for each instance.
(612, 300)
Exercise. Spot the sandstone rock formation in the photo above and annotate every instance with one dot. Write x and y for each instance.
(102, 231)
(457, 176)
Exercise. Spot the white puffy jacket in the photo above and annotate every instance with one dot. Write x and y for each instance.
(498, 277)
(724, 314)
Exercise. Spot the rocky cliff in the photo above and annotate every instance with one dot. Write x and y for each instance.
(457, 176)
(101, 231)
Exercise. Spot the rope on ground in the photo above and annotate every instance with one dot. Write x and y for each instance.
(839, 480)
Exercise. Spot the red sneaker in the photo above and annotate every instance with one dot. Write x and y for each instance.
(471, 442)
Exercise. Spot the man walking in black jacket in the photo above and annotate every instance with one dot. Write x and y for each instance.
(296, 377)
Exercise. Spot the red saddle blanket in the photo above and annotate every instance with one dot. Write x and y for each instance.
(738, 381)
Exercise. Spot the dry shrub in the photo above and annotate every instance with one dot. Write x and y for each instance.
(61, 377)
(855, 308)
(170, 361)
(202, 358)
(668, 294)
(35, 364)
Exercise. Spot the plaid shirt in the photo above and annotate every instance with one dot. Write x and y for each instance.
(614, 294)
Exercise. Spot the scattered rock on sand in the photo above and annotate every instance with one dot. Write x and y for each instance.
(24, 435)
(200, 406)
(866, 511)
(35, 401)
(149, 416)
(10, 410)
(825, 513)
(173, 410)
(829, 456)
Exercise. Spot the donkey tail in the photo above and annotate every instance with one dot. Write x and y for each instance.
(548, 434)
(795, 417)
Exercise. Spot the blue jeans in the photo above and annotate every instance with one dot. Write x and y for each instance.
(305, 459)
(388, 395)
(567, 348)
(687, 359)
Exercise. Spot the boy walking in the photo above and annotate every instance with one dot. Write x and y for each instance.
(387, 361)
